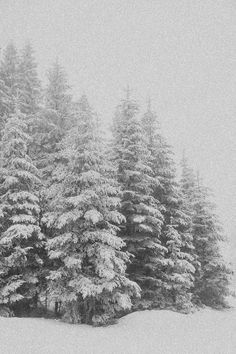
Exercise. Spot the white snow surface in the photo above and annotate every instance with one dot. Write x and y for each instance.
(147, 332)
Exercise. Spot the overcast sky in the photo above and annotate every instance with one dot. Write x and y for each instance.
(180, 52)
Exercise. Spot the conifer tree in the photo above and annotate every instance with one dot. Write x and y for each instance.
(176, 274)
(89, 276)
(211, 286)
(52, 122)
(212, 275)
(57, 97)
(52, 119)
(9, 74)
(5, 103)
(142, 211)
(48, 127)
(188, 183)
(21, 239)
(29, 82)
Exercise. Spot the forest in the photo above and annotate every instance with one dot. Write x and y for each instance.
(96, 224)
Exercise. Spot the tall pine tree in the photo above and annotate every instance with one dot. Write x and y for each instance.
(21, 240)
(212, 275)
(29, 83)
(57, 97)
(5, 104)
(143, 212)
(176, 273)
(89, 278)
(9, 74)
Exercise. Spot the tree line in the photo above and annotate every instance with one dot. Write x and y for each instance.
(96, 227)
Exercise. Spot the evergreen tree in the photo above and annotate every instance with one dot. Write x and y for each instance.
(142, 211)
(52, 122)
(48, 127)
(176, 272)
(9, 74)
(212, 275)
(57, 97)
(5, 103)
(21, 239)
(29, 82)
(89, 276)
(188, 185)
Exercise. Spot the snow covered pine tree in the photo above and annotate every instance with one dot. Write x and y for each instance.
(212, 275)
(5, 103)
(141, 209)
(21, 240)
(9, 74)
(90, 278)
(29, 83)
(174, 276)
(9, 80)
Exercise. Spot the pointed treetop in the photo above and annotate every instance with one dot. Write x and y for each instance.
(16, 101)
(83, 102)
(149, 103)
(128, 92)
(198, 179)
(28, 47)
(10, 48)
(184, 158)
(57, 61)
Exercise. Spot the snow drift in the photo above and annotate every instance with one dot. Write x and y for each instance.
(147, 332)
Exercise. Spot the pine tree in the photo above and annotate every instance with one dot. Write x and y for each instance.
(142, 211)
(52, 119)
(48, 126)
(57, 96)
(176, 271)
(212, 275)
(188, 183)
(5, 103)
(52, 122)
(89, 276)
(21, 239)
(29, 82)
(9, 74)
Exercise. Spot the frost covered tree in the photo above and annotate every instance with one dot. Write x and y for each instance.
(211, 283)
(57, 97)
(21, 240)
(9, 74)
(28, 81)
(5, 104)
(49, 124)
(188, 183)
(212, 275)
(141, 209)
(52, 121)
(52, 118)
(89, 277)
(175, 274)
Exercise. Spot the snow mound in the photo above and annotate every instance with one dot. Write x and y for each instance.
(147, 332)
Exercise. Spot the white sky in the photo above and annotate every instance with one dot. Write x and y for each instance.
(180, 52)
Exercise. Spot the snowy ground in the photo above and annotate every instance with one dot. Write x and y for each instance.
(158, 332)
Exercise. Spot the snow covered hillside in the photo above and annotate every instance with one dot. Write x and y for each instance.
(148, 332)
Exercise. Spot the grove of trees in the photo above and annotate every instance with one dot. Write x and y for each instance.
(92, 230)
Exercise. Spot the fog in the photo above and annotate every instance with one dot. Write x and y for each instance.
(181, 53)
